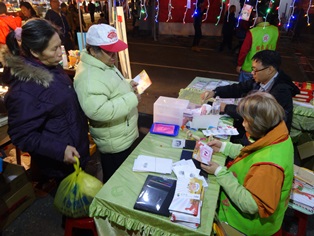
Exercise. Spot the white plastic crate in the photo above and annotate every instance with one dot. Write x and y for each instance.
(170, 110)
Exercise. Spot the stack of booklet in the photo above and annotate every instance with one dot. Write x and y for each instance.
(302, 193)
(186, 204)
(152, 164)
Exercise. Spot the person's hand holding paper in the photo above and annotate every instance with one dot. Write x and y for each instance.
(143, 81)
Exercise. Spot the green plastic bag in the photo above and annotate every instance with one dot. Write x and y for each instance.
(76, 192)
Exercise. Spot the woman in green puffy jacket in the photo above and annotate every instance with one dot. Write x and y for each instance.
(107, 98)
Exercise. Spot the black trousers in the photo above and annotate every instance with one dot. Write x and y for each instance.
(110, 162)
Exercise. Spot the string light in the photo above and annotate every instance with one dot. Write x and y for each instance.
(206, 13)
(157, 11)
(143, 10)
(228, 12)
(291, 16)
(195, 11)
(187, 7)
(270, 5)
(221, 8)
(279, 18)
(307, 13)
(255, 15)
(170, 7)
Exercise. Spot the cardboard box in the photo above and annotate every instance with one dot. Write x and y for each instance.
(13, 204)
(225, 229)
(170, 110)
(306, 150)
(14, 177)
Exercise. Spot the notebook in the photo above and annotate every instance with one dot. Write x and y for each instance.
(156, 195)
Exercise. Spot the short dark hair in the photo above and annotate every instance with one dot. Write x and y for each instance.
(63, 5)
(29, 7)
(3, 8)
(268, 58)
(36, 34)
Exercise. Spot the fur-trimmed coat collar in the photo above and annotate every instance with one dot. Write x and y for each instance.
(28, 70)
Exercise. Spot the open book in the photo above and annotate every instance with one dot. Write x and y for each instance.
(143, 81)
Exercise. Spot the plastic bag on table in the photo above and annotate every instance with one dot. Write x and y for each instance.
(76, 192)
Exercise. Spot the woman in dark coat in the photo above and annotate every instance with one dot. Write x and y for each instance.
(44, 116)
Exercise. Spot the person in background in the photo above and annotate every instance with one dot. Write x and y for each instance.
(263, 36)
(44, 115)
(54, 15)
(91, 9)
(68, 15)
(228, 28)
(7, 23)
(300, 21)
(102, 19)
(85, 7)
(240, 33)
(76, 21)
(266, 77)
(197, 23)
(256, 185)
(107, 98)
(28, 11)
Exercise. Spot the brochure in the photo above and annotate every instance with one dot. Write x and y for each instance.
(152, 164)
(178, 216)
(202, 152)
(187, 196)
(156, 195)
(143, 81)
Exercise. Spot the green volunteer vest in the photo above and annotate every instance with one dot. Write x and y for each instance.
(264, 36)
(280, 154)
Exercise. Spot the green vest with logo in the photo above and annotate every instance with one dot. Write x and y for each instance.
(264, 36)
(281, 155)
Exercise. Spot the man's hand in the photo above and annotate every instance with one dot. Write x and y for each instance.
(69, 154)
(207, 95)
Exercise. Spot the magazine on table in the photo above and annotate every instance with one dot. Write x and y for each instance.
(178, 216)
(302, 194)
(188, 196)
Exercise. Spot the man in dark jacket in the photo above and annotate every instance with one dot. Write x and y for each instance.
(91, 9)
(266, 77)
(54, 15)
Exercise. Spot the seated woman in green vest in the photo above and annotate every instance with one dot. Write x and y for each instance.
(256, 184)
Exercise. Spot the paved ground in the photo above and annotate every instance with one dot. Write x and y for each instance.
(172, 65)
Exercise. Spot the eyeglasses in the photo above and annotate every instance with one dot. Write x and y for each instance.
(254, 71)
